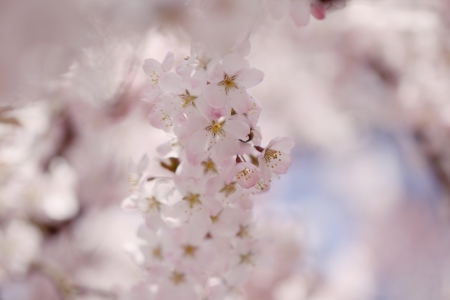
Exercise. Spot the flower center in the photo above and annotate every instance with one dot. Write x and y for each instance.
(192, 199)
(157, 253)
(228, 189)
(201, 61)
(246, 259)
(133, 180)
(246, 173)
(189, 250)
(177, 278)
(216, 128)
(243, 232)
(154, 79)
(187, 99)
(215, 218)
(228, 83)
(209, 166)
(153, 203)
(271, 154)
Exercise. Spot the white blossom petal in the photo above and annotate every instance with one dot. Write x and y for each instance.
(300, 12)
(249, 78)
(172, 83)
(167, 63)
(233, 63)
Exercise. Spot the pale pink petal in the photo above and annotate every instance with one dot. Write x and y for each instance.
(165, 148)
(278, 9)
(233, 62)
(248, 182)
(247, 175)
(277, 163)
(282, 164)
(172, 83)
(216, 74)
(199, 141)
(153, 220)
(152, 92)
(160, 118)
(167, 63)
(300, 11)
(266, 173)
(245, 149)
(200, 75)
(283, 144)
(253, 115)
(212, 66)
(184, 70)
(249, 78)
(169, 291)
(339, 3)
(215, 96)
(152, 67)
(226, 147)
(195, 158)
(318, 11)
(140, 291)
(180, 119)
(179, 211)
(257, 137)
(130, 203)
(163, 189)
(212, 205)
(214, 185)
(196, 85)
(238, 129)
(240, 100)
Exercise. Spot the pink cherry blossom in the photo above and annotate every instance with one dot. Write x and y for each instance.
(199, 224)
(275, 158)
(230, 82)
(246, 174)
(153, 69)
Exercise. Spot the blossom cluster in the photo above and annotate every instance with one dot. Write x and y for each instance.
(199, 231)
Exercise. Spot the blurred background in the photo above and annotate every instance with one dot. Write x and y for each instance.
(363, 212)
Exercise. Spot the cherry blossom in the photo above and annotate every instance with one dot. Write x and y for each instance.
(275, 159)
(229, 83)
(246, 174)
(200, 228)
(153, 69)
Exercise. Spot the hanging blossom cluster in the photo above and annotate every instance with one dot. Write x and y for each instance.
(199, 235)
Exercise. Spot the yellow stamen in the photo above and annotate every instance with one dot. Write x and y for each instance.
(228, 189)
(245, 173)
(209, 166)
(153, 203)
(177, 278)
(246, 259)
(228, 83)
(243, 232)
(193, 199)
(187, 99)
(189, 250)
(271, 154)
(157, 253)
(215, 218)
(201, 61)
(216, 128)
